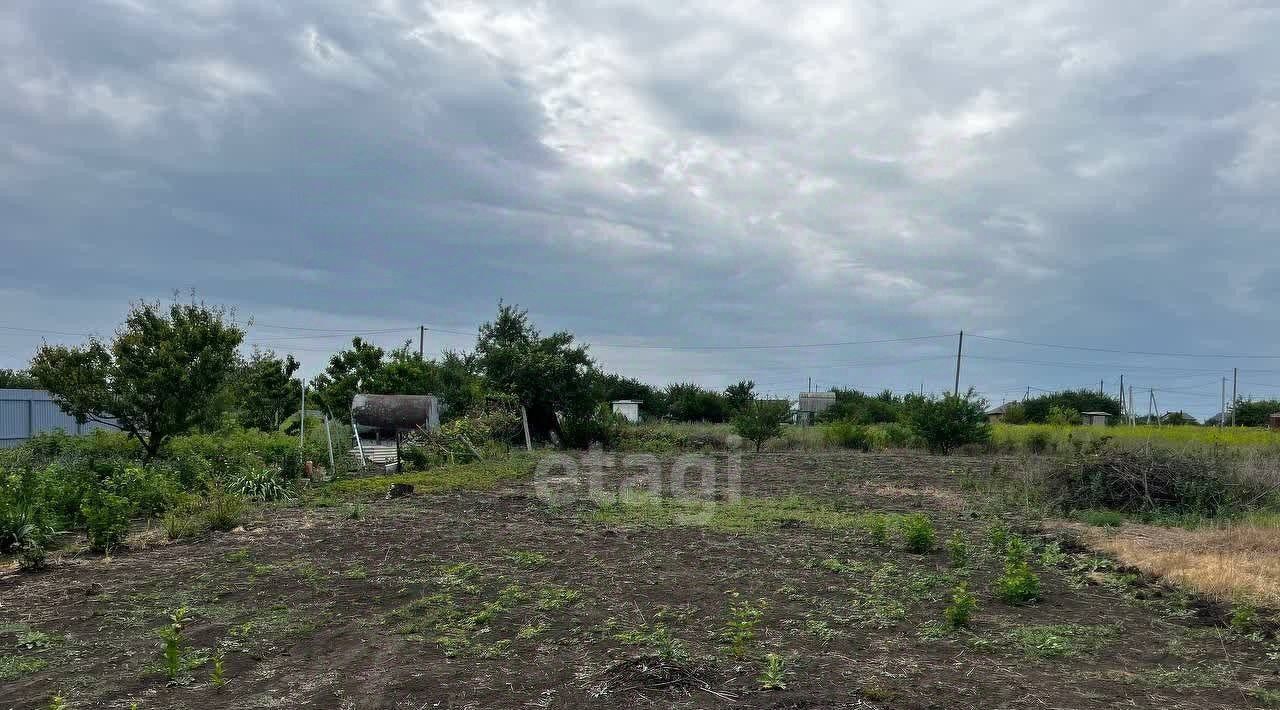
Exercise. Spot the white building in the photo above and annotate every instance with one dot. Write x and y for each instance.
(629, 409)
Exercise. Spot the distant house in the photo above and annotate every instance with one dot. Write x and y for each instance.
(996, 415)
(812, 404)
(628, 409)
(1095, 418)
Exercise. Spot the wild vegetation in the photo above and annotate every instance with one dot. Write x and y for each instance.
(186, 561)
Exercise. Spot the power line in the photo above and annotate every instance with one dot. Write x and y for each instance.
(1126, 352)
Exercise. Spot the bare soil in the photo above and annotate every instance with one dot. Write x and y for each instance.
(501, 600)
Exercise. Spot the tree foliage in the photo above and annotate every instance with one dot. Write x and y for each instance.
(546, 374)
(368, 369)
(1254, 413)
(158, 377)
(17, 379)
(1082, 400)
(739, 396)
(687, 402)
(264, 390)
(860, 408)
(761, 420)
(949, 422)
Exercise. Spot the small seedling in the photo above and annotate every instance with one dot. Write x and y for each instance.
(959, 551)
(218, 678)
(744, 619)
(1244, 618)
(172, 636)
(774, 675)
(58, 702)
(356, 511)
(962, 607)
(878, 529)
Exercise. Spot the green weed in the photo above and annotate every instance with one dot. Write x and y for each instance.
(774, 674)
(963, 604)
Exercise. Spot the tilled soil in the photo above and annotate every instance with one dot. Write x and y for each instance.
(504, 599)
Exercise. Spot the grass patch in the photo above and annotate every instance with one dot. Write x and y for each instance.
(1059, 640)
(15, 667)
(480, 476)
(641, 509)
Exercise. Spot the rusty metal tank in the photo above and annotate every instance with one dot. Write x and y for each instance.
(396, 412)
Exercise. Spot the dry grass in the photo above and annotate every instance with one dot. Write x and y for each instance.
(1236, 563)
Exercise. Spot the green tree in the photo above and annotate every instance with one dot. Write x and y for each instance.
(349, 372)
(1254, 413)
(739, 396)
(611, 387)
(1014, 413)
(546, 374)
(265, 390)
(860, 408)
(17, 379)
(159, 376)
(687, 402)
(949, 422)
(761, 421)
(1081, 400)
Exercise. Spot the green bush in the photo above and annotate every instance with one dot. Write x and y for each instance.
(602, 427)
(761, 421)
(263, 483)
(1038, 442)
(949, 422)
(963, 604)
(223, 509)
(106, 519)
(897, 436)
(1018, 584)
(1062, 416)
(918, 534)
(847, 435)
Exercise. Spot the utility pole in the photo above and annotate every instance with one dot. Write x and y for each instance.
(959, 354)
(422, 337)
(1235, 396)
(1100, 384)
(810, 384)
(1222, 413)
(302, 418)
(1122, 410)
(1133, 420)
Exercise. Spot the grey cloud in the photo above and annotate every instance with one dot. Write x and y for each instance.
(1059, 171)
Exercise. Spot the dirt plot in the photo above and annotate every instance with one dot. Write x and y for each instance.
(505, 599)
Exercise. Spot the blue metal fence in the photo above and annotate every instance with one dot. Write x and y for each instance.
(24, 413)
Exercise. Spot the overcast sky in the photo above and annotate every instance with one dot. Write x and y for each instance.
(1096, 174)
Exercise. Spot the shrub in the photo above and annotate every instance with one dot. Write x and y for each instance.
(29, 547)
(963, 604)
(898, 436)
(1101, 518)
(1153, 479)
(602, 427)
(222, 509)
(106, 519)
(264, 484)
(1062, 416)
(878, 529)
(847, 435)
(918, 534)
(949, 422)
(958, 550)
(1018, 584)
(761, 421)
(1014, 413)
(1244, 618)
(1038, 442)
